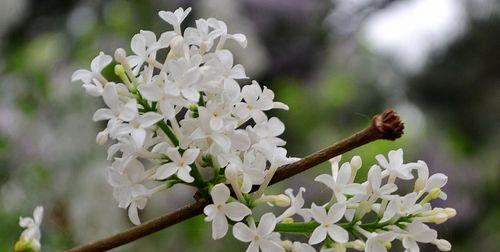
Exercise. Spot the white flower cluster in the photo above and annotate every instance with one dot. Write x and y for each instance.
(374, 216)
(179, 116)
(174, 118)
(29, 241)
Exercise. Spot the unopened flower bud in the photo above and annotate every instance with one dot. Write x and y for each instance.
(356, 245)
(356, 162)
(102, 137)
(120, 55)
(442, 244)
(280, 200)
(451, 212)
(287, 245)
(440, 218)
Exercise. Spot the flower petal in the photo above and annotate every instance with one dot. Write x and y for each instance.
(220, 194)
(338, 234)
(236, 211)
(318, 235)
(219, 226)
(243, 233)
(166, 170)
(266, 224)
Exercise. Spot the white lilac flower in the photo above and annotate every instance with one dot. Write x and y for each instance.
(266, 133)
(137, 127)
(201, 35)
(261, 237)
(374, 188)
(139, 199)
(257, 100)
(220, 210)
(376, 242)
(145, 45)
(126, 180)
(221, 27)
(401, 206)
(93, 80)
(175, 18)
(118, 110)
(417, 232)
(296, 206)
(395, 165)
(179, 165)
(340, 184)
(30, 237)
(327, 224)
(158, 91)
(251, 171)
(426, 184)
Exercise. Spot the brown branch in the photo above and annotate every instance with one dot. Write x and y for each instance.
(385, 126)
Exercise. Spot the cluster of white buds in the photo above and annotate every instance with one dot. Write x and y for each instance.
(29, 241)
(179, 116)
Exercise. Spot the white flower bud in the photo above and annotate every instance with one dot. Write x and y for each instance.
(287, 245)
(442, 244)
(356, 162)
(451, 212)
(440, 218)
(356, 245)
(280, 200)
(102, 137)
(120, 55)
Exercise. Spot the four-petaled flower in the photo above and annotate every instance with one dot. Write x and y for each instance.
(179, 165)
(261, 237)
(327, 224)
(219, 211)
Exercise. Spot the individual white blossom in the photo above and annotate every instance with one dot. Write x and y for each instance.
(296, 206)
(175, 18)
(401, 206)
(30, 237)
(377, 242)
(417, 232)
(257, 101)
(425, 183)
(261, 237)
(180, 164)
(93, 80)
(395, 165)
(327, 223)
(220, 210)
(340, 184)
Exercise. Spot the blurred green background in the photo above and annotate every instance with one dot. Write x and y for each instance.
(335, 63)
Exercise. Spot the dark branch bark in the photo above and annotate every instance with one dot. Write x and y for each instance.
(385, 126)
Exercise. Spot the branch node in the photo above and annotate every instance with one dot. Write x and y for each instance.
(388, 124)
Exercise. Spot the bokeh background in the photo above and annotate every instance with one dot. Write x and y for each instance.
(336, 63)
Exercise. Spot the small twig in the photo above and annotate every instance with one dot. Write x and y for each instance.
(385, 126)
